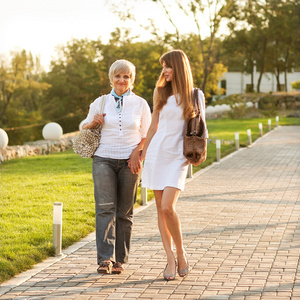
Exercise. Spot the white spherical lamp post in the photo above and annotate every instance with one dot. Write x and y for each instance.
(81, 123)
(52, 131)
(3, 139)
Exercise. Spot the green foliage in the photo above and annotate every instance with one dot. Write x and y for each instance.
(212, 87)
(296, 85)
(265, 33)
(267, 106)
(21, 88)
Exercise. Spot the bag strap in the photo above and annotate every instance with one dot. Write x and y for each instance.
(101, 107)
(101, 104)
(196, 101)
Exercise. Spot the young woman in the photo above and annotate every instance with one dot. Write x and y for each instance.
(165, 166)
(116, 165)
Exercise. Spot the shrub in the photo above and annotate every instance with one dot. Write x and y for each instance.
(296, 85)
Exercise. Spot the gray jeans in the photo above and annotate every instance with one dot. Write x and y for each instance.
(115, 189)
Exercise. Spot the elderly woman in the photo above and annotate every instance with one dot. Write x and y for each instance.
(116, 165)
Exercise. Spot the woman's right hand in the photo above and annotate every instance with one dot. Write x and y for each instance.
(98, 119)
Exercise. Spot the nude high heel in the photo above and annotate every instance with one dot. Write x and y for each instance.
(169, 276)
(185, 271)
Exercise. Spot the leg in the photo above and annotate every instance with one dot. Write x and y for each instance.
(127, 191)
(169, 199)
(105, 188)
(162, 226)
(165, 235)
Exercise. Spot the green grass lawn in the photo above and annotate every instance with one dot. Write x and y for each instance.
(30, 186)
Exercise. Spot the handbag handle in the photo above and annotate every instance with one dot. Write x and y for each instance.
(196, 102)
(101, 107)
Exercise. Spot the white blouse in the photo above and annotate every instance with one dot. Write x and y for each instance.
(121, 132)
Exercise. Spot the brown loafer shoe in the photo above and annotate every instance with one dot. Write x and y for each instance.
(117, 268)
(105, 267)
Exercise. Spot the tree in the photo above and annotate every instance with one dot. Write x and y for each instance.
(212, 11)
(267, 33)
(284, 35)
(21, 89)
(77, 77)
(80, 75)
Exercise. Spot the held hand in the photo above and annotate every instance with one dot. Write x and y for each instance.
(134, 166)
(134, 162)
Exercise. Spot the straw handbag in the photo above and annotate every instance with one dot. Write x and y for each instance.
(87, 141)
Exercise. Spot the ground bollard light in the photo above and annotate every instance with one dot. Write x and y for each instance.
(218, 149)
(190, 171)
(269, 123)
(144, 196)
(260, 129)
(57, 227)
(237, 141)
(249, 136)
(277, 121)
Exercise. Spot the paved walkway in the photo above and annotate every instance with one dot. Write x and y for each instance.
(241, 229)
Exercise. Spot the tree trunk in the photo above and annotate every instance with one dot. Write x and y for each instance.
(262, 65)
(286, 69)
(277, 80)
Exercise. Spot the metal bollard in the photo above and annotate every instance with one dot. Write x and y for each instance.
(190, 171)
(57, 227)
(269, 123)
(144, 196)
(277, 121)
(218, 149)
(237, 141)
(249, 136)
(260, 129)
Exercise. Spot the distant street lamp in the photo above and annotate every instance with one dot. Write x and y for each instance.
(52, 131)
(81, 123)
(3, 139)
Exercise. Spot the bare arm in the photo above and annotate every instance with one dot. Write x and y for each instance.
(152, 130)
(153, 126)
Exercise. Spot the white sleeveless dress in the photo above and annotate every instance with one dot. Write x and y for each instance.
(165, 164)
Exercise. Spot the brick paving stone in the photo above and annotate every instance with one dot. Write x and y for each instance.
(241, 231)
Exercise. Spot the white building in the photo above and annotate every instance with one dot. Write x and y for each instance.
(237, 82)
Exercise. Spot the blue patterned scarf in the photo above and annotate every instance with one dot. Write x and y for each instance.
(119, 99)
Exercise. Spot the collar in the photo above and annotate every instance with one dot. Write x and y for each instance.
(120, 97)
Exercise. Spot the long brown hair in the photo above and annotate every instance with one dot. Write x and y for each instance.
(181, 85)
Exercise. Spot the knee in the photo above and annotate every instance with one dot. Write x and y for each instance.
(105, 208)
(168, 211)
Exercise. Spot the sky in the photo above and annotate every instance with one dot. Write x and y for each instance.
(40, 26)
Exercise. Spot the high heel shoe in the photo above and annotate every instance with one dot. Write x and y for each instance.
(170, 276)
(185, 271)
